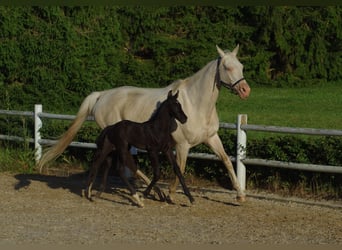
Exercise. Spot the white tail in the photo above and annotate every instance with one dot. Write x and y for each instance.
(52, 152)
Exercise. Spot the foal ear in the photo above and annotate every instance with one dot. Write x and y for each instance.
(236, 50)
(220, 51)
(176, 95)
(169, 94)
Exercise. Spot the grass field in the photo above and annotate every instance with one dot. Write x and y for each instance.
(309, 107)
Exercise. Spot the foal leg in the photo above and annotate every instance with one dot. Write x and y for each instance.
(99, 157)
(182, 154)
(178, 173)
(126, 159)
(92, 174)
(156, 172)
(108, 164)
(147, 181)
(215, 144)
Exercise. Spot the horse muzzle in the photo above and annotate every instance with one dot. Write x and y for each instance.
(242, 89)
(183, 119)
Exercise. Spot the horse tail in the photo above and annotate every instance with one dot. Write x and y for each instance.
(57, 149)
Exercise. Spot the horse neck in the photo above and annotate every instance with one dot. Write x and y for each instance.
(201, 87)
(163, 118)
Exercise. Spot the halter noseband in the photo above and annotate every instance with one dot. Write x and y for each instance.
(229, 86)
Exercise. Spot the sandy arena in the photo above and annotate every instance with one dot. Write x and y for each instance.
(43, 209)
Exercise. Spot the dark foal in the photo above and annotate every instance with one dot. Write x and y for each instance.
(154, 136)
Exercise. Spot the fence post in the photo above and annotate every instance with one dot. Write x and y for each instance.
(38, 108)
(241, 151)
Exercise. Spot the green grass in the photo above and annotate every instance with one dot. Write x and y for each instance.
(304, 107)
(16, 159)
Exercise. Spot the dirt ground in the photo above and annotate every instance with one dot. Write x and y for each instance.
(43, 209)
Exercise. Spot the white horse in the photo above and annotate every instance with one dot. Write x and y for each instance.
(198, 96)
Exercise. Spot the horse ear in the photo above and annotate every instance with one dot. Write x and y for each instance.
(220, 51)
(236, 50)
(176, 95)
(169, 94)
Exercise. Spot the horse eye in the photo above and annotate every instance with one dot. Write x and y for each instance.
(228, 68)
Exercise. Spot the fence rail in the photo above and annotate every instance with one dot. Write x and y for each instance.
(303, 131)
(241, 127)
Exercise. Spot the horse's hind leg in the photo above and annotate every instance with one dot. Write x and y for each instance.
(99, 157)
(108, 164)
(91, 179)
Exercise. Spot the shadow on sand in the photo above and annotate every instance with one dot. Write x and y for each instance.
(74, 182)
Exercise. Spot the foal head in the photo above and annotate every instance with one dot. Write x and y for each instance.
(175, 108)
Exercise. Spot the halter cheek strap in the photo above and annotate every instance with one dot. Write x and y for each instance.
(225, 84)
(232, 85)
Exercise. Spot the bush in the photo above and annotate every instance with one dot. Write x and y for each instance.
(319, 150)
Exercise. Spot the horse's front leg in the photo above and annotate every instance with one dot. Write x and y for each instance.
(147, 181)
(153, 155)
(178, 173)
(215, 144)
(182, 154)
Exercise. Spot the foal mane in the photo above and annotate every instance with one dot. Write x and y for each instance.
(160, 106)
(156, 111)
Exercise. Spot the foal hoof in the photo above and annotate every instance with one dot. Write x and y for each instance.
(161, 194)
(85, 194)
(98, 194)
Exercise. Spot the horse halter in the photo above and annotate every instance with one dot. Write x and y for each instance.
(230, 86)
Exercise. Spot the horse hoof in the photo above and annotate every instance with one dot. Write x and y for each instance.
(169, 200)
(160, 194)
(137, 200)
(241, 199)
(85, 194)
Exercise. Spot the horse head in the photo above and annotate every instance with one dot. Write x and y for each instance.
(175, 107)
(230, 73)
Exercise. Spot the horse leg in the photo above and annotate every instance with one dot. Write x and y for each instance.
(178, 173)
(156, 173)
(126, 159)
(215, 144)
(99, 157)
(148, 182)
(108, 164)
(92, 174)
(182, 154)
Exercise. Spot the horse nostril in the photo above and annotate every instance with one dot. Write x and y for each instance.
(244, 91)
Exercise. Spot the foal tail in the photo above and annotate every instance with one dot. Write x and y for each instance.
(100, 140)
(57, 149)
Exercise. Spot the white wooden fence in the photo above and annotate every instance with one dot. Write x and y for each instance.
(241, 127)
